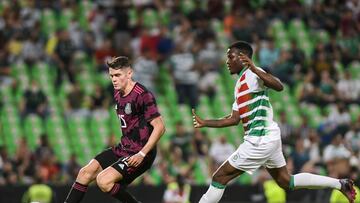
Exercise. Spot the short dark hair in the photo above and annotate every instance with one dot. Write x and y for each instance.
(243, 47)
(119, 62)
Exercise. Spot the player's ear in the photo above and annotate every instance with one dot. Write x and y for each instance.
(130, 72)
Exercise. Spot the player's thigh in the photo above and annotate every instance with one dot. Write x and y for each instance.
(106, 158)
(108, 176)
(225, 173)
(128, 173)
(276, 157)
(249, 157)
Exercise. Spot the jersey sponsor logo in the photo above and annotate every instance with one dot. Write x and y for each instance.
(128, 109)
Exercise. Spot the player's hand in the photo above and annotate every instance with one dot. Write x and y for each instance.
(247, 62)
(135, 160)
(197, 121)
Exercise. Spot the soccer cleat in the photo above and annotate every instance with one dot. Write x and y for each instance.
(347, 188)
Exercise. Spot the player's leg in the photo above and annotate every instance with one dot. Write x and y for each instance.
(88, 173)
(85, 176)
(221, 177)
(115, 178)
(311, 181)
(276, 166)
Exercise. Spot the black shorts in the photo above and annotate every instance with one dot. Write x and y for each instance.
(108, 158)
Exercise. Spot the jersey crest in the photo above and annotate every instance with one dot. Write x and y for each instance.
(128, 108)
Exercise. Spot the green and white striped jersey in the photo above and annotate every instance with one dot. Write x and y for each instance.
(252, 102)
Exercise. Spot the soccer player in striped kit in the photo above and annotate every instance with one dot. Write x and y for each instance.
(262, 141)
(142, 126)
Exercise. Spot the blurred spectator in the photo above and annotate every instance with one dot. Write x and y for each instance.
(33, 50)
(352, 137)
(75, 103)
(24, 162)
(312, 144)
(200, 143)
(300, 156)
(208, 66)
(177, 192)
(63, 56)
(268, 55)
(166, 43)
(297, 55)
(348, 88)
(307, 92)
(304, 128)
(44, 149)
(103, 54)
(34, 101)
(286, 129)
(38, 192)
(72, 167)
(336, 156)
(340, 116)
(284, 68)
(99, 99)
(146, 70)
(327, 89)
(50, 169)
(5, 68)
(219, 151)
(185, 75)
(182, 139)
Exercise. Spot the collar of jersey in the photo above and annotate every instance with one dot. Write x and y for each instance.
(242, 71)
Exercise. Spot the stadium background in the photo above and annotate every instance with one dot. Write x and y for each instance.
(56, 98)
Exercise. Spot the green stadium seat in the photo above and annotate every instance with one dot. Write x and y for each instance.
(354, 112)
(33, 128)
(187, 6)
(66, 17)
(150, 18)
(48, 22)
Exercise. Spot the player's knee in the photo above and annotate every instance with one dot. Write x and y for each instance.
(283, 182)
(104, 183)
(86, 174)
(219, 178)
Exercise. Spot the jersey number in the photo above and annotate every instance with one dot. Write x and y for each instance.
(122, 121)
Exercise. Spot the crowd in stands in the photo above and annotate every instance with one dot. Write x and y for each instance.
(184, 41)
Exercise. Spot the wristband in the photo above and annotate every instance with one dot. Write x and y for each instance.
(142, 154)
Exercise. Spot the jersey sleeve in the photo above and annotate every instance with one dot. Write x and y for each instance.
(260, 83)
(235, 106)
(149, 107)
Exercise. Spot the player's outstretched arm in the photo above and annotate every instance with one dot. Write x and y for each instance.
(158, 131)
(226, 121)
(269, 80)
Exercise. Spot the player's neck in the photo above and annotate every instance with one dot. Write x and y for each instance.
(128, 88)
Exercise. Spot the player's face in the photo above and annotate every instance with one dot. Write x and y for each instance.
(120, 77)
(233, 61)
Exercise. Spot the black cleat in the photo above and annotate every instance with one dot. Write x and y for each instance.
(347, 188)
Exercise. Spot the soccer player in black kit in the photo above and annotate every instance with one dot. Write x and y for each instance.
(142, 126)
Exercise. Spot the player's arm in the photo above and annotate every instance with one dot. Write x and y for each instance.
(158, 131)
(269, 80)
(230, 120)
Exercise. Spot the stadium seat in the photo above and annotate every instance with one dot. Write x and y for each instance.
(33, 128)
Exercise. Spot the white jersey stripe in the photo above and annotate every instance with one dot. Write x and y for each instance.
(254, 110)
(253, 101)
(257, 118)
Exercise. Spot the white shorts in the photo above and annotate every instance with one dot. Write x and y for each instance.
(258, 151)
